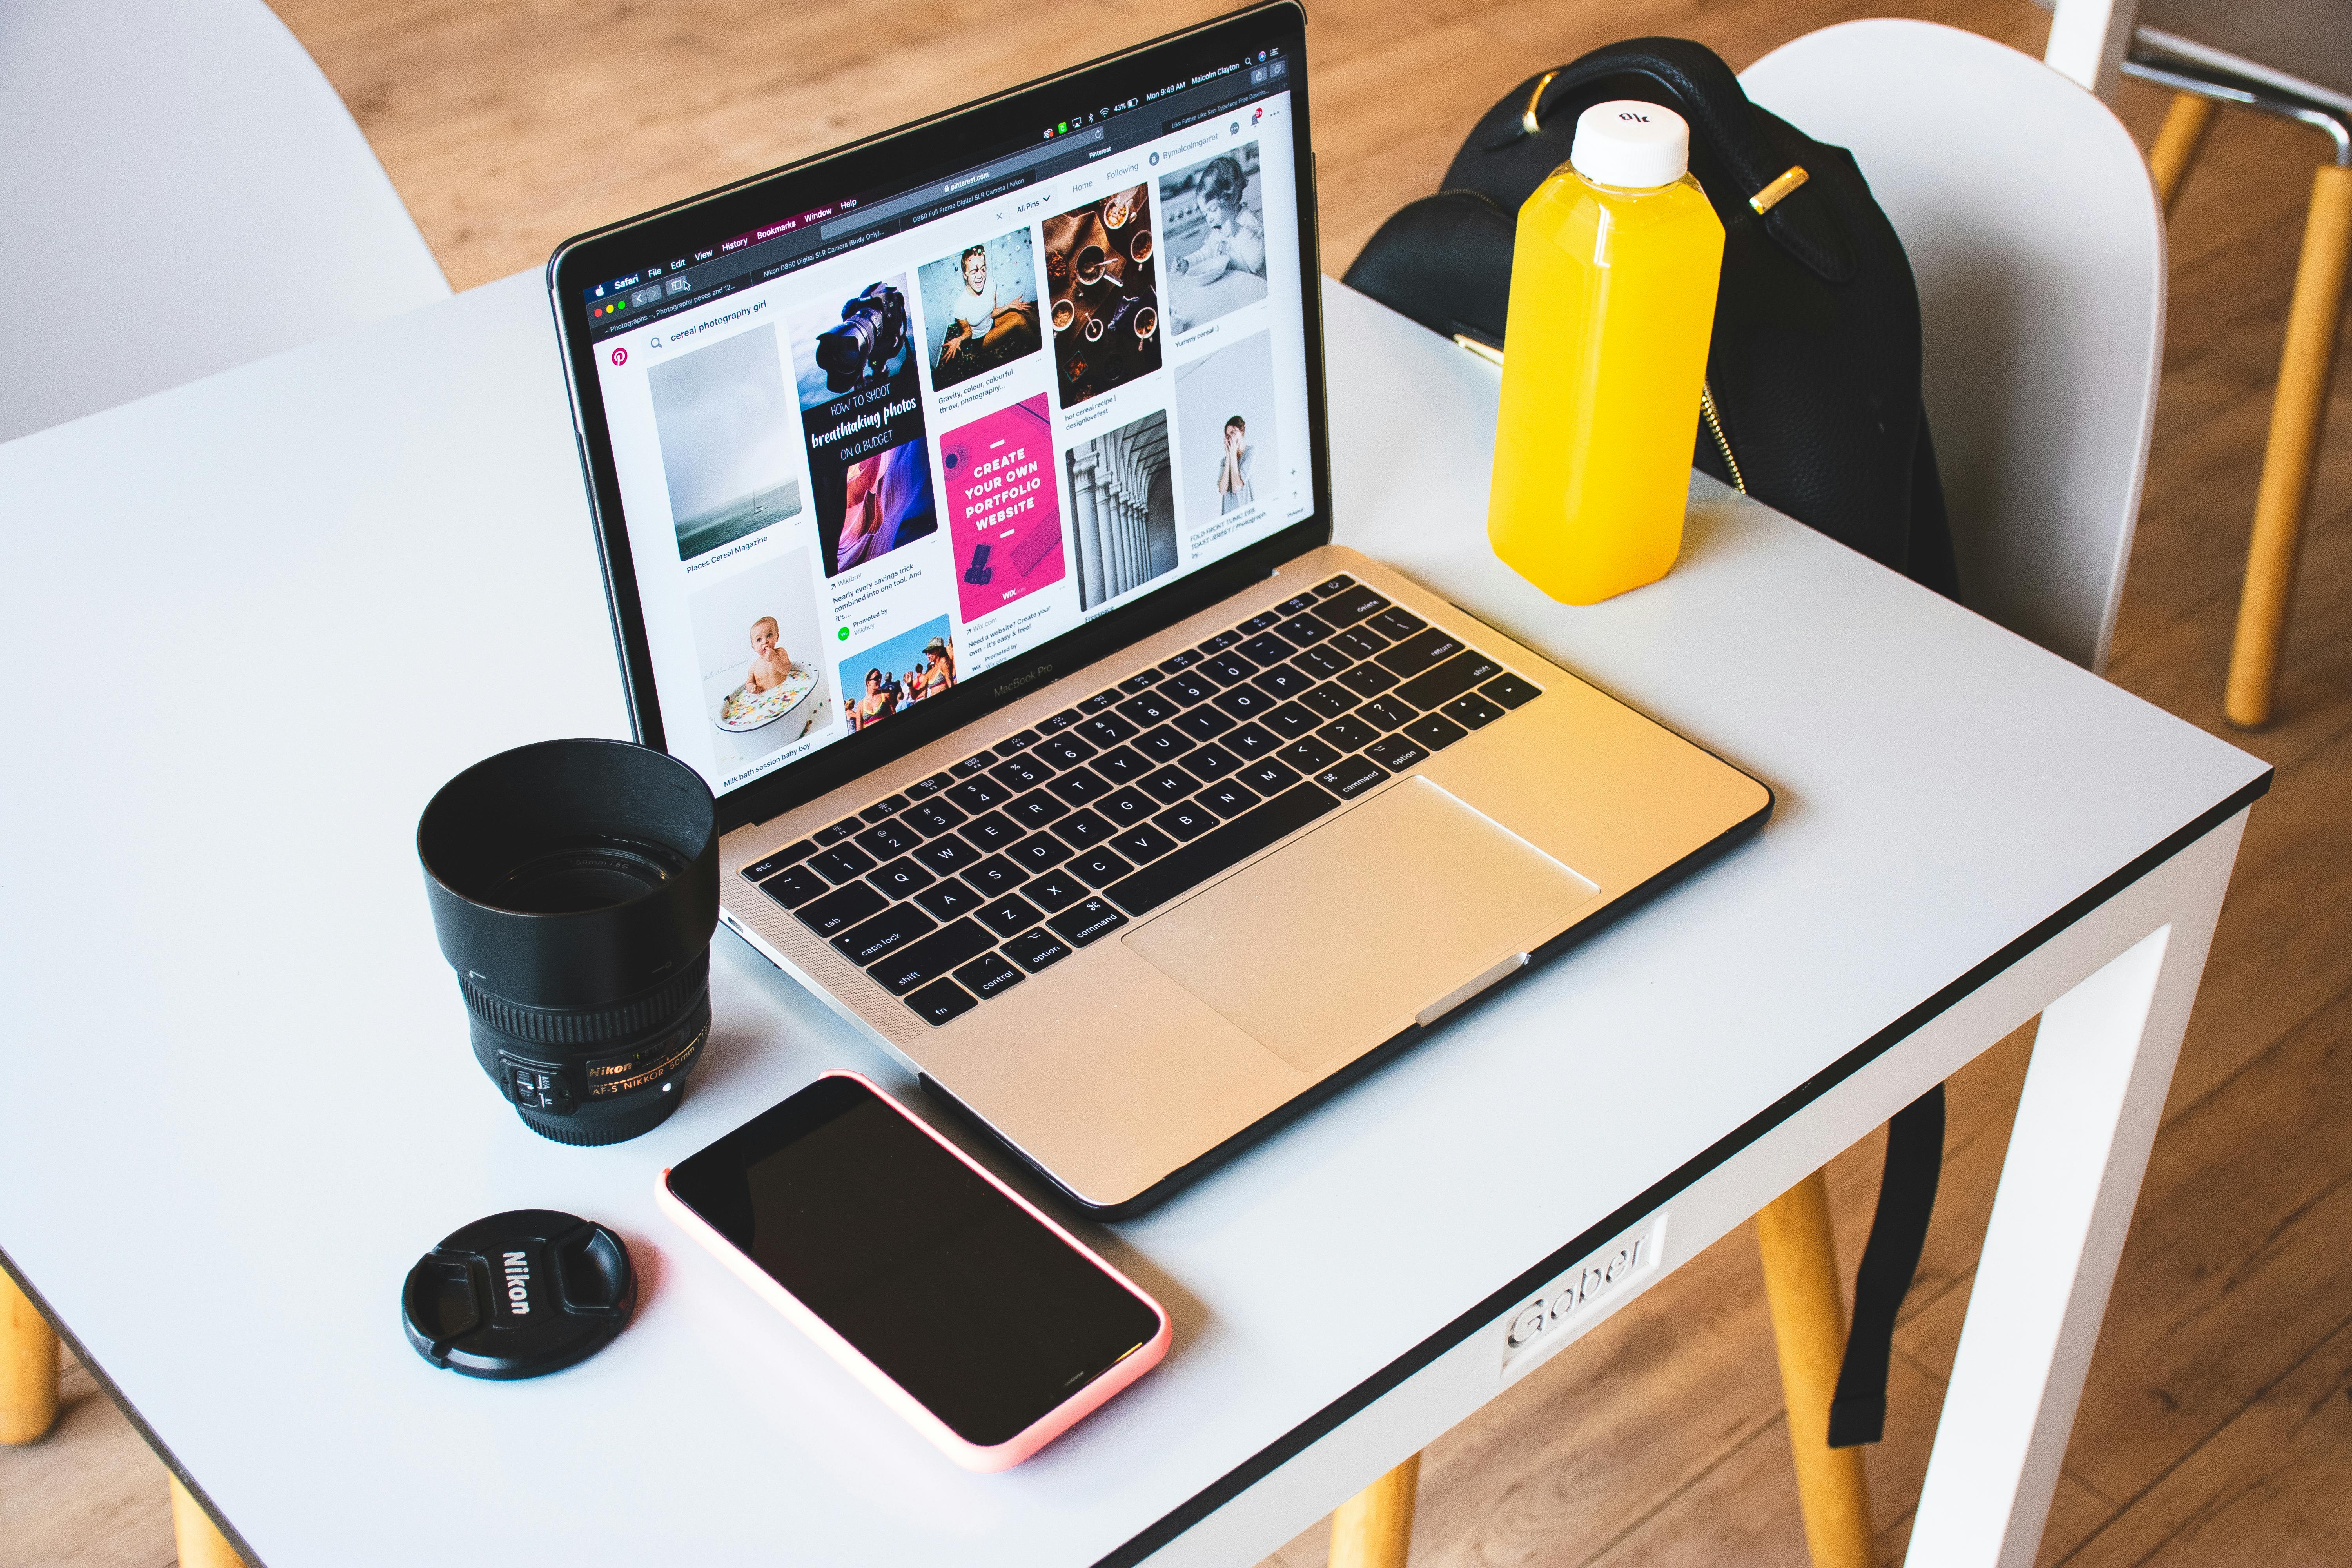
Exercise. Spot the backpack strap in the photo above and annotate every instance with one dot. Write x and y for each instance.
(1526, 135)
(1906, 1197)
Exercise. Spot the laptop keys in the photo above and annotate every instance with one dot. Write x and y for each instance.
(1187, 867)
(979, 794)
(1246, 701)
(1267, 777)
(1350, 734)
(987, 975)
(841, 863)
(888, 838)
(1186, 822)
(1089, 919)
(1055, 892)
(1022, 772)
(1205, 723)
(1010, 915)
(1282, 681)
(942, 1003)
(978, 762)
(995, 876)
(1166, 743)
(1079, 786)
(992, 830)
(1265, 648)
(888, 807)
(1345, 606)
(1329, 700)
(1472, 711)
(1366, 680)
(1359, 642)
(1184, 661)
(1510, 691)
(1302, 630)
(1139, 680)
(1082, 830)
(1099, 868)
(837, 832)
(794, 887)
(1297, 605)
(759, 870)
(1291, 720)
(933, 817)
(944, 857)
(1064, 750)
(1386, 712)
(1395, 622)
(1228, 669)
(1107, 728)
(1425, 649)
(1331, 585)
(949, 900)
(1038, 852)
(1036, 809)
(1351, 776)
(958, 942)
(1434, 731)
(1034, 950)
(1250, 740)
(1395, 753)
(1149, 709)
(1122, 765)
(1322, 661)
(1228, 799)
(895, 927)
(901, 878)
(1188, 690)
(1143, 842)
(930, 786)
(1448, 680)
(1308, 756)
(1211, 763)
(841, 908)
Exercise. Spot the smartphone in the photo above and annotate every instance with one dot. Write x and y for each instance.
(946, 1293)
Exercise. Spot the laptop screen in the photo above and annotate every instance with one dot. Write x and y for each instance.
(871, 449)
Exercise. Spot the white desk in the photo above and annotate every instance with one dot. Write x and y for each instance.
(251, 624)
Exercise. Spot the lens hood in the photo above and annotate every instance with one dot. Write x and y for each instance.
(638, 834)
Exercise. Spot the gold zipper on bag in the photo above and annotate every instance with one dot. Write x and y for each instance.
(1715, 423)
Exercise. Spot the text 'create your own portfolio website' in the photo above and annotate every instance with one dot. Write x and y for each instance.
(876, 474)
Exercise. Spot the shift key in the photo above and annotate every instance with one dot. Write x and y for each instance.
(957, 942)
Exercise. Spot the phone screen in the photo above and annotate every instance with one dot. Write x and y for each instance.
(952, 1289)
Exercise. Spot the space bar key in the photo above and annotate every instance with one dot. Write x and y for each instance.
(1236, 841)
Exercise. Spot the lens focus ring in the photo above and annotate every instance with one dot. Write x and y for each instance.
(589, 1026)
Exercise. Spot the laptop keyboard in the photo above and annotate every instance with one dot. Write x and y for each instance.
(965, 884)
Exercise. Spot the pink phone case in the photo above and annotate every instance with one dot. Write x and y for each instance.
(971, 1456)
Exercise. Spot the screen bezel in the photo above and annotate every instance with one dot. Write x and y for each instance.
(704, 1181)
(942, 142)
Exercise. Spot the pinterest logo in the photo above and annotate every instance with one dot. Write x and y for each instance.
(620, 356)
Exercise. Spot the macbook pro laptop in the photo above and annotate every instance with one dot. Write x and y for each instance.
(966, 517)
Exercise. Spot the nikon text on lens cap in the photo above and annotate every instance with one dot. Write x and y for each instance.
(519, 1294)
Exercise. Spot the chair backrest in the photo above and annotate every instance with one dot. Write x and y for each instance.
(182, 191)
(2035, 236)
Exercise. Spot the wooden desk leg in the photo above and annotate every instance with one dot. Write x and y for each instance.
(1374, 1527)
(1800, 1281)
(2185, 124)
(28, 1367)
(201, 1545)
(2296, 415)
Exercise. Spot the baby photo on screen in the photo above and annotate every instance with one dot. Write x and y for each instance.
(730, 442)
(758, 636)
(1212, 216)
(980, 308)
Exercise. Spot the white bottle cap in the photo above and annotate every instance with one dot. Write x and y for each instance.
(1630, 143)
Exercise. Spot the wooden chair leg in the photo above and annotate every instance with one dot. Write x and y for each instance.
(1374, 1527)
(1800, 1281)
(2185, 124)
(2296, 414)
(28, 1367)
(201, 1545)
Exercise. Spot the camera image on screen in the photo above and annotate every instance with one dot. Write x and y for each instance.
(871, 338)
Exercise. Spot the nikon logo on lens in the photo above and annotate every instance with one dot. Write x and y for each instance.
(574, 886)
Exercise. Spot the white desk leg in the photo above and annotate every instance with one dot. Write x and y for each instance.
(2094, 1094)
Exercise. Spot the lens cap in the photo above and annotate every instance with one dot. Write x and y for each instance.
(519, 1294)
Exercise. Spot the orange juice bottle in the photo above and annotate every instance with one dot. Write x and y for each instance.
(1612, 298)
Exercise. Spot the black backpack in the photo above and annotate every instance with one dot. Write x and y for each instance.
(1813, 372)
(1811, 406)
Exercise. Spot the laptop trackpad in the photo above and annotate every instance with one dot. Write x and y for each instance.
(1337, 941)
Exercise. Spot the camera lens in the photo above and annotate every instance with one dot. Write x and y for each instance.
(574, 886)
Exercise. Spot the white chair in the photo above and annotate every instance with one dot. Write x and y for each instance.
(2038, 245)
(2292, 60)
(2037, 242)
(183, 192)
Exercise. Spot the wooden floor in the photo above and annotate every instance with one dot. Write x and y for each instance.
(2217, 1425)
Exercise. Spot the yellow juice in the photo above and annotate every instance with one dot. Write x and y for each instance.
(1613, 298)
